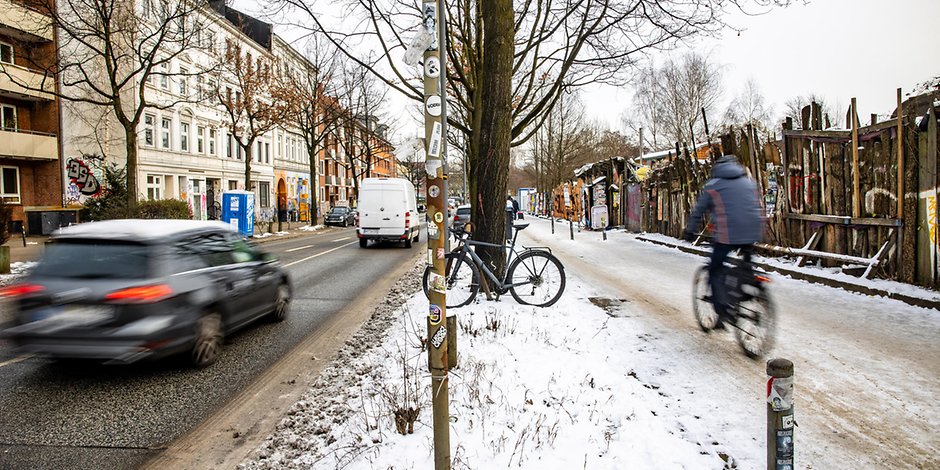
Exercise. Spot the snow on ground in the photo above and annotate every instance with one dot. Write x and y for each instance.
(17, 270)
(313, 228)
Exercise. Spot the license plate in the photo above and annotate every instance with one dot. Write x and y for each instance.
(370, 231)
(74, 315)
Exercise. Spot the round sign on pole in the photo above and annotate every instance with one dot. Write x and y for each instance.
(432, 67)
(433, 105)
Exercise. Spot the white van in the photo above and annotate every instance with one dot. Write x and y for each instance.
(387, 211)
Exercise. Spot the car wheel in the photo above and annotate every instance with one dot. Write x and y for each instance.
(281, 303)
(208, 344)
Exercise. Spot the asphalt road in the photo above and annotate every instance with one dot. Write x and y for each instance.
(78, 415)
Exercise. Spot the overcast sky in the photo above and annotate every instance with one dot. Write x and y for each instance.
(838, 49)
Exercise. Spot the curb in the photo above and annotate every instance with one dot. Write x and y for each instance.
(915, 301)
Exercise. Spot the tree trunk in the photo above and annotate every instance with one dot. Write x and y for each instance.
(314, 180)
(130, 146)
(492, 170)
(247, 148)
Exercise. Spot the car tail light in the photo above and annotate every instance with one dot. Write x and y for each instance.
(407, 219)
(140, 294)
(20, 290)
(763, 279)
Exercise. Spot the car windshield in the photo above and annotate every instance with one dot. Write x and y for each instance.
(339, 210)
(463, 211)
(95, 259)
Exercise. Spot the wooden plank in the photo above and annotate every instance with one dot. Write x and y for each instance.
(830, 134)
(845, 220)
(900, 190)
(925, 235)
(933, 214)
(856, 196)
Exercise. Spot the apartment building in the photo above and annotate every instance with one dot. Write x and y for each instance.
(30, 164)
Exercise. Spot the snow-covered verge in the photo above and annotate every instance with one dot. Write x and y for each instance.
(17, 270)
(565, 387)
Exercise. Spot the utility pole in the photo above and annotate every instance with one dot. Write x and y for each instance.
(435, 133)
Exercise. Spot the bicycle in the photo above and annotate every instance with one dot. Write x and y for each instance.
(533, 276)
(753, 315)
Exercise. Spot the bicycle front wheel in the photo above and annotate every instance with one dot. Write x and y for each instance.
(756, 324)
(537, 278)
(462, 280)
(702, 306)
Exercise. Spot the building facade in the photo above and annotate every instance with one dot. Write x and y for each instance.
(31, 169)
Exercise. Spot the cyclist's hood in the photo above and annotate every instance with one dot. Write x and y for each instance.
(727, 167)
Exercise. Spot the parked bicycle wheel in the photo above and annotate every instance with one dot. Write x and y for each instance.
(462, 280)
(756, 323)
(702, 301)
(537, 278)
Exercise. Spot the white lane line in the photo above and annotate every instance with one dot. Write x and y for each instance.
(318, 254)
(298, 248)
(15, 360)
(341, 239)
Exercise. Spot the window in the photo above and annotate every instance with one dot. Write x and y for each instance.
(232, 185)
(321, 167)
(264, 196)
(228, 145)
(184, 136)
(8, 118)
(210, 41)
(165, 133)
(200, 139)
(165, 76)
(147, 8)
(150, 121)
(267, 152)
(6, 53)
(280, 146)
(154, 185)
(10, 184)
(184, 81)
(212, 141)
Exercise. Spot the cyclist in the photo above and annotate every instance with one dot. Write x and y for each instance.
(732, 199)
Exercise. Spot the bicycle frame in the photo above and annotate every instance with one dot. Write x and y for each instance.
(499, 282)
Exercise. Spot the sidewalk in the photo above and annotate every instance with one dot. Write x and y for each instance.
(33, 247)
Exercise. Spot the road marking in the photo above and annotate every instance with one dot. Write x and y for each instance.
(341, 239)
(318, 254)
(15, 360)
(298, 248)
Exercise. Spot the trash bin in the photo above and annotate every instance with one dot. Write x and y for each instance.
(238, 209)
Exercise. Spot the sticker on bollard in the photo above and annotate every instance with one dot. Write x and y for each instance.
(434, 315)
(780, 393)
(784, 456)
(438, 339)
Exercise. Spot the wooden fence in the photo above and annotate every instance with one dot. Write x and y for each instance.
(828, 192)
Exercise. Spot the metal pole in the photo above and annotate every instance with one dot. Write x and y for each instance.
(780, 422)
(435, 132)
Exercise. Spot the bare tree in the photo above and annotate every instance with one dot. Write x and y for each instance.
(255, 98)
(749, 107)
(686, 86)
(646, 110)
(317, 114)
(793, 107)
(108, 52)
(361, 97)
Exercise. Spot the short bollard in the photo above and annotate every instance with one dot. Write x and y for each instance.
(780, 420)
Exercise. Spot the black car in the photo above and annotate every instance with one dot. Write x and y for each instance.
(343, 216)
(125, 290)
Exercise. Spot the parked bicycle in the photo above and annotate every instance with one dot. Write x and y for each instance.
(753, 316)
(533, 276)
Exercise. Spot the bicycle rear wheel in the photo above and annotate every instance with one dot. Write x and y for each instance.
(756, 324)
(702, 301)
(462, 280)
(537, 278)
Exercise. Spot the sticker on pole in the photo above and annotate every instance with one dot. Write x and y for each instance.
(433, 105)
(434, 315)
(436, 282)
(434, 143)
(786, 421)
(432, 166)
(438, 339)
(430, 257)
(432, 67)
(440, 253)
(780, 393)
(434, 191)
(439, 217)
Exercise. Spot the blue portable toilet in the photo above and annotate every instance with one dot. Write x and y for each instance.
(238, 209)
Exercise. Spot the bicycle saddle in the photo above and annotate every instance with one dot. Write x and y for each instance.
(520, 226)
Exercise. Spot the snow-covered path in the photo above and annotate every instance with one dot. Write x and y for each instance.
(617, 375)
(866, 369)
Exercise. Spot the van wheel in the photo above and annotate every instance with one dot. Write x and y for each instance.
(408, 242)
(363, 243)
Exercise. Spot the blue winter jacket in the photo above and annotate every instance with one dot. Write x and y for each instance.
(732, 199)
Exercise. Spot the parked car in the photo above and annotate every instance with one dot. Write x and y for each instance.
(461, 217)
(341, 216)
(125, 290)
(388, 211)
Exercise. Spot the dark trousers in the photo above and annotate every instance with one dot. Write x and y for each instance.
(717, 272)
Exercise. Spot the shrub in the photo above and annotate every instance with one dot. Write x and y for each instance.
(112, 202)
(164, 209)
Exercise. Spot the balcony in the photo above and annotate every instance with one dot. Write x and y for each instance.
(28, 146)
(24, 24)
(21, 79)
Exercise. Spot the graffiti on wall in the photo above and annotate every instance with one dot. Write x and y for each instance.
(83, 178)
